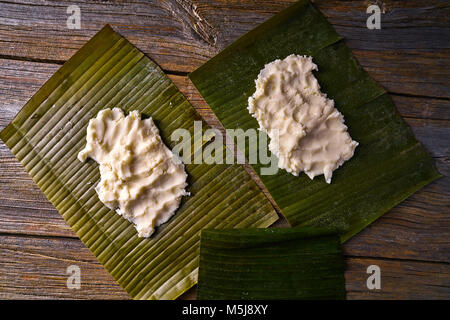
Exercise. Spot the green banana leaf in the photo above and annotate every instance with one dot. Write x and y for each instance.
(50, 130)
(389, 164)
(274, 263)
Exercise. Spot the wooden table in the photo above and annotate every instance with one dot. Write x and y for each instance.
(410, 56)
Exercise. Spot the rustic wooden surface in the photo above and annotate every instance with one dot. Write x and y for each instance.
(409, 56)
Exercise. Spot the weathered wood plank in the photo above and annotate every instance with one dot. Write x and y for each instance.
(429, 108)
(35, 268)
(400, 279)
(181, 44)
(38, 30)
(420, 24)
(434, 135)
(405, 25)
(412, 73)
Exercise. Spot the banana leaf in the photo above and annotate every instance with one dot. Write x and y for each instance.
(50, 130)
(389, 164)
(274, 263)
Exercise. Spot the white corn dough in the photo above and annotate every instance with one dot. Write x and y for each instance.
(288, 104)
(141, 179)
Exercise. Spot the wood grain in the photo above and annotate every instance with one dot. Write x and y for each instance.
(35, 268)
(409, 57)
(401, 279)
(37, 31)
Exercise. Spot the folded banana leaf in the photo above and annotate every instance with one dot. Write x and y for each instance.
(50, 130)
(389, 164)
(274, 263)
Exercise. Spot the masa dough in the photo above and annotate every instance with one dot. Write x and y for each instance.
(307, 133)
(141, 179)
